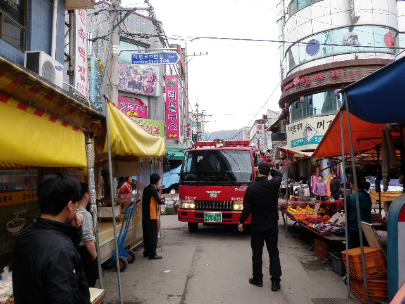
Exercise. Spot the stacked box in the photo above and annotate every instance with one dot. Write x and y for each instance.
(375, 264)
(376, 272)
(377, 289)
(322, 248)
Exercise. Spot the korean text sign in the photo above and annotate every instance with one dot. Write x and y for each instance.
(81, 52)
(172, 107)
(133, 106)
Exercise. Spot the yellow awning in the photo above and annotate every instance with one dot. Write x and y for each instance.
(129, 138)
(32, 137)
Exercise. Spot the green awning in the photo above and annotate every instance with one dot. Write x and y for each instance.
(175, 152)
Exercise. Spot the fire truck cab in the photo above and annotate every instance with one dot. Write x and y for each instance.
(213, 181)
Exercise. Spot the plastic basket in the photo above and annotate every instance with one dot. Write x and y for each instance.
(377, 290)
(337, 265)
(322, 248)
(375, 264)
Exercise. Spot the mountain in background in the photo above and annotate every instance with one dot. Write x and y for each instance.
(227, 134)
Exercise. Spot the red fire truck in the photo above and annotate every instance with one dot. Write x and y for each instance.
(213, 180)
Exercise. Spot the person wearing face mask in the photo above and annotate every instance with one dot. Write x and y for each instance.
(47, 267)
(150, 209)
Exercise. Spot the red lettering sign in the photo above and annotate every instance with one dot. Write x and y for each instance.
(306, 80)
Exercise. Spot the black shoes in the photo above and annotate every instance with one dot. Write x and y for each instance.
(156, 257)
(258, 281)
(275, 285)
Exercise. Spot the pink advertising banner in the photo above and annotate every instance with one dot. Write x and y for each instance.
(172, 107)
(134, 107)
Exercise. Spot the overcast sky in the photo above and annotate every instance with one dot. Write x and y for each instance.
(236, 78)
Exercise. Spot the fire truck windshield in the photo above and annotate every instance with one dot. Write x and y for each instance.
(217, 166)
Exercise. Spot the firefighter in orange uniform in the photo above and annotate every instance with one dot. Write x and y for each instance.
(150, 209)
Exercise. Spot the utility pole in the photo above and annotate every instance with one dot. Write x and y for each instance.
(113, 56)
(198, 126)
(112, 94)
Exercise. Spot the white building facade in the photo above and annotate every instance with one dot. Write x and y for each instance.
(329, 44)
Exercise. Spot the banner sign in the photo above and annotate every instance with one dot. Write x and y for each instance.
(307, 133)
(153, 127)
(134, 107)
(81, 78)
(188, 128)
(158, 58)
(172, 107)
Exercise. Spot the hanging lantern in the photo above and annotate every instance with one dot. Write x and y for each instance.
(288, 120)
(282, 111)
(302, 99)
(284, 122)
(287, 105)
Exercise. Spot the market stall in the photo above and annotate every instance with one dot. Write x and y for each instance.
(45, 130)
(366, 124)
(134, 152)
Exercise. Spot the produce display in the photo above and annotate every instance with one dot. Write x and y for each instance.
(303, 212)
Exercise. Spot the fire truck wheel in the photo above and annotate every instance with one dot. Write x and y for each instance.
(192, 227)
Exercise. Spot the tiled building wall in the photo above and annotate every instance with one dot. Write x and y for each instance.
(40, 27)
(11, 52)
(39, 31)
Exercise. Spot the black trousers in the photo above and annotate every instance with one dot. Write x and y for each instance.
(336, 194)
(150, 237)
(321, 198)
(89, 266)
(269, 235)
(355, 240)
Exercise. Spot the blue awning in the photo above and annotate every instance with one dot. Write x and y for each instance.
(171, 177)
(380, 96)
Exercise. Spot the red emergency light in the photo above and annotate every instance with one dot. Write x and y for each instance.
(205, 144)
(244, 143)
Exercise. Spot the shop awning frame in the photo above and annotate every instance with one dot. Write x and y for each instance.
(127, 138)
(369, 95)
(366, 136)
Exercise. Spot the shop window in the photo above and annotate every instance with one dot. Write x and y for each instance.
(322, 103)
(296, 5)
(371, 39)
(13, 23)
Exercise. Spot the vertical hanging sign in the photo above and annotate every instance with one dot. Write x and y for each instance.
(172, 107)
(80, 82)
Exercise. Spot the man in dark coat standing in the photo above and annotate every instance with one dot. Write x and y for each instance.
(261, 199)
(150, 209)
(335, 186)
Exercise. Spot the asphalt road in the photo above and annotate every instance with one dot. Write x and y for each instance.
(214, 265)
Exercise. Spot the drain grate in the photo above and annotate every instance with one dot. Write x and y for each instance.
(335, 301)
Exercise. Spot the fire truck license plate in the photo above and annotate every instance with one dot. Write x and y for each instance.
(213, 217)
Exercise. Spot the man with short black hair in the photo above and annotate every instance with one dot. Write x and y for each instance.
(261, 200)
(150, 209)
(87, 246)
(46, 265)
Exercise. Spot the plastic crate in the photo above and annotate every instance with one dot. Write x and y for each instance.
(375, 264)
(322, 248)
(337, 264)
(377, 290)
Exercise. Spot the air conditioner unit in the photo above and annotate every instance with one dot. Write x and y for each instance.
(44, 65)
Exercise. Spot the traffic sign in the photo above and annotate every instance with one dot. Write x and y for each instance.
(156, 58)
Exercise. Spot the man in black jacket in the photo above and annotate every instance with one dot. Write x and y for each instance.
(46, 265)
(335, 186)
(150, 209)
(261, 199)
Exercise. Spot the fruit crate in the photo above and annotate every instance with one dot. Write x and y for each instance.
(375, 264)
(377, 289)
(337, 264)
(322, 248)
